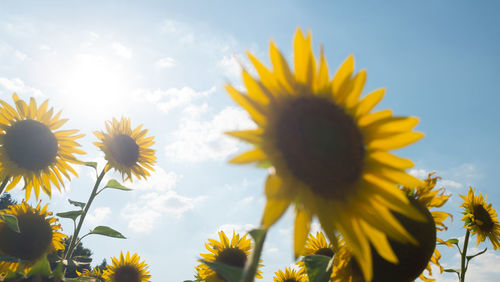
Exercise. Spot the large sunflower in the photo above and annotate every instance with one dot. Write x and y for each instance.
(31, 149)
(39, 235)
(233, 252)
(432, 198)
(127, 269)
(328, 151)
(481, 218)
(127, 151)
(289, 275)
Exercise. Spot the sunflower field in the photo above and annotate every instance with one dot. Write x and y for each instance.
(330, 160)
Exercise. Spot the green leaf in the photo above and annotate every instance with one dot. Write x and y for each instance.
(319, 268)
(116, 185)
(10, 221)
(42, 267)
(70, 214)
(107, 231)
(59, 271)
(78, 204)
(452, 270)
(480, 253)
(229, 272)
(452, 241)
(91, 164)
(258, 235)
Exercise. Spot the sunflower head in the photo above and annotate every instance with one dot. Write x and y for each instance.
(127, 151)
(328, 151)
(39, 235)
(318, 245)
(232, 252)
(481, 218)
(94, 273)
(127, 269)
(289, 275)
(31, 149)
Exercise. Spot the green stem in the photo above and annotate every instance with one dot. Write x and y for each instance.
(463, 269)
(4, 183)
(72, 244)
(251, 267)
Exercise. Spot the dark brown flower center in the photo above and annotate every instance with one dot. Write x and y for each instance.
(233, 257)
(30, 144)
(33, 240)
(321, 144)
(124, 150)
(480, 213)
(126, 273)
(412, 258)
(325, 252)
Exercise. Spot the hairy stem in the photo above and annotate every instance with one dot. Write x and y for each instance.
(463, 268)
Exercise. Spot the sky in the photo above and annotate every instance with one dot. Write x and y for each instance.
(164, 64)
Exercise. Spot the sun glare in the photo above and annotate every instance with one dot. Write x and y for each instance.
(97, 84)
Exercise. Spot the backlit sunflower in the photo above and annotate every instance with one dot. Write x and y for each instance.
(481, 218)
(94, 273)
(127, 151)
(432, 198)
(232, 252)
(317, 245)
(32, 149)
(328, 151)
(127, 269)
(39, 235)
(289, 275)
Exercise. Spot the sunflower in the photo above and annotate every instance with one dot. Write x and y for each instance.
(127, 269)
(317, 245)
(432, 198)
(327, 151)
(481, 218)
(234, 253)
(289, 275)
(39, 235)
(94, 273)
(127, 151)
(31, 149)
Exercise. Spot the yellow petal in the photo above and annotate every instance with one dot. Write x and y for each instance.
(302, 226)
(281, 69)
(249, 157)
(303, 58)
(253, 136)
(396, 141)
(245, 102)
(273, 211)
(390, 160)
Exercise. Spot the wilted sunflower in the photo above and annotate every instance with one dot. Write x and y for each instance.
(94, 273)
(432, 198)
(127, 269)
(481, 218)
(234, 253)
(289, 275)
(39, 235)
(31, 149)
(328, 151)
(127, 151)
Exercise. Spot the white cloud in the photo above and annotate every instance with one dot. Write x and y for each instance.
(121, 50)
(169, 99)
(447, 183)
(164, 63)
(20, 55)
(144, 214)
(239, 229)
(197, 141)
(160, 180)
(230, 66)
(98, 215)
(419, 173)
(9, 86)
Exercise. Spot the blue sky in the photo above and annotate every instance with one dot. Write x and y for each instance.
(164, 64)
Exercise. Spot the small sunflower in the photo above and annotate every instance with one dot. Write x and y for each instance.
(481, 218)
(327, 151)
(127, 269)
(31, 149)
(432, 198)
(318, 245)
(127, 151)
(289, 275)
(234, 253)
(39, 235)
(94, 273)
